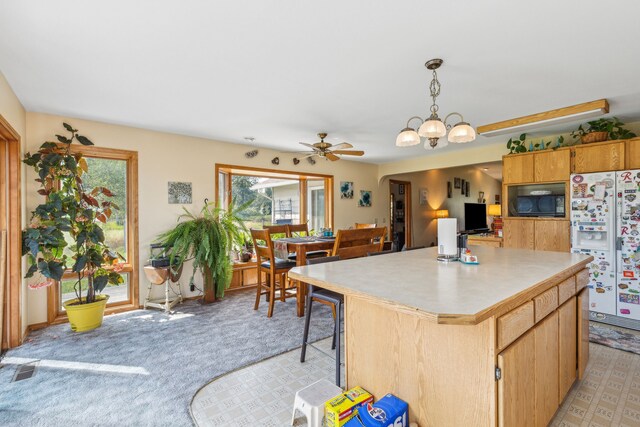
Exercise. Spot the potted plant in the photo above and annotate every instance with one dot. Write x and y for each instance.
(602, 130)
(64, 230)
(207, 238)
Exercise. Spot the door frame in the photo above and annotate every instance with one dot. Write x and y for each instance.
(408, 232)
(11, 216)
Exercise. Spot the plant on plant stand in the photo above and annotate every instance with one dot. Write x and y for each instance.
(77, 211)
(207, 238)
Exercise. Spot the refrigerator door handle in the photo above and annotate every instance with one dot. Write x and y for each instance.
(618, 243)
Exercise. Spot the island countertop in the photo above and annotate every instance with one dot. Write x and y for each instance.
(447, 293)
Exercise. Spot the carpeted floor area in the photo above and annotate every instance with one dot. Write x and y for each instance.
(143, 367)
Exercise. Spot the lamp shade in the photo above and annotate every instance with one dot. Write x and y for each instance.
(442, 213)
(461, 133)
(407, 137)
(494, 210)
(432, 128)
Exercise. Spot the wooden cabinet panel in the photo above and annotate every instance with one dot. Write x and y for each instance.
(566, 289)
(552, 236)
(583, 332)
(518, 233)
(480, 240)
(599, 157)
(567, 345)
(582, 279)
(516, 394)
(517, 168)
(514, 324)
(552, 165)
(633, 154)
(545, 303)
(546, 369)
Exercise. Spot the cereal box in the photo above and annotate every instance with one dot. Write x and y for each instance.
(340, 409)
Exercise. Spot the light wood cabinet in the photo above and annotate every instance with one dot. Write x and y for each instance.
(567, 345)
(517, 168)
(518, 233)
(487, 240)
(546, 368)
(552, 165)
(516, 392)
(633, 154)
(602, 157)
(583, 332)
(552, 235)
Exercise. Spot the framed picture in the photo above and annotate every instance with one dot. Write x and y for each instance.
(424, 195)
(466, 189)
(365, 199)
(480, 196)
(497, 199)
(401, 189)
(456, 182)
(449, 189)
(179, 193)
(462, 186)
(346, 189)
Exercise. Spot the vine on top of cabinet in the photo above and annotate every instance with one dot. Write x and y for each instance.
(517, 168)
(552, 165)
(603, 157)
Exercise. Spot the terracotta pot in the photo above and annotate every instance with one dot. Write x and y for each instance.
(594, 137)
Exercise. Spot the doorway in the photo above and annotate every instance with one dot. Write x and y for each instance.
(10, 237)
(400, 213)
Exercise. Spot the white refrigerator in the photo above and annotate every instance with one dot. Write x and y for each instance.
(605, 223)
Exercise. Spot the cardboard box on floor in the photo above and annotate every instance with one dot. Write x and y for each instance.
(340, 409)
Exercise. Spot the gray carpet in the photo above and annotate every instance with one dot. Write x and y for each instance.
(153, 363)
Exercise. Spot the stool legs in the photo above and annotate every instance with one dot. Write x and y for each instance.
(307, 319)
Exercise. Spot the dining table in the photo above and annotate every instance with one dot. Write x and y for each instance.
(301, 246)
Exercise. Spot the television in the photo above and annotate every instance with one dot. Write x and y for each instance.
(475, 217)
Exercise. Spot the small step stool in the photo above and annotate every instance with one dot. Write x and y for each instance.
(311, 399)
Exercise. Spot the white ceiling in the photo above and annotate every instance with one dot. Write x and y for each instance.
(281, 71)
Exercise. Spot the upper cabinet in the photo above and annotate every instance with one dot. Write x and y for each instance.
(633, 154)
(601, 157)
(517, 168)
(552, 165)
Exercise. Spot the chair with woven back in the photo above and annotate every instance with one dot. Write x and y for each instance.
(272, 267)
(358, 242)
(302, 230)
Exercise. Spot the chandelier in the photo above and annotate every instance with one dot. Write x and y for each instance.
(433, 128)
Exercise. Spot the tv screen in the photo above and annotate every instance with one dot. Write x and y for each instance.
(475, 216)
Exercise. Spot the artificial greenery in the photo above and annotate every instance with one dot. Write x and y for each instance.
(207, 238)
(64, 230)
(517, 145)
(612, 126)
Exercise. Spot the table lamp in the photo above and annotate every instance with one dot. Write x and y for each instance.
(442, 213)
(496, 211)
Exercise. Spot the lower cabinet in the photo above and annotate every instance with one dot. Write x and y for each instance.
(516, 392)
(568, 344)
(546, 368)
(583, 331)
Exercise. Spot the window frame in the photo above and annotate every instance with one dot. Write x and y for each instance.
(55, 314)
(301, 177)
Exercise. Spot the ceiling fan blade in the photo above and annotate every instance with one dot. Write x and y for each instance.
(342, 146)
(310, 146)
(308, 155)
(329, 155)
(349, 152)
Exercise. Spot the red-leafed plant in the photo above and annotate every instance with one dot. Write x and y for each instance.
(73, 209)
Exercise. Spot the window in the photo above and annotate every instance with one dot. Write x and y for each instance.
(116, 170)
(277, 197)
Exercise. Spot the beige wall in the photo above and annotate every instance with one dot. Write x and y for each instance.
(167, 157)
(13, 111)
(435, 181)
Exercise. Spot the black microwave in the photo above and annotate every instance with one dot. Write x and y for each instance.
(548, 205)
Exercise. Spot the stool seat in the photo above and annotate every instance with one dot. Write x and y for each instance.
(311, 399)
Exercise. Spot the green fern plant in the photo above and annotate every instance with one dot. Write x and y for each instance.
(207, 238)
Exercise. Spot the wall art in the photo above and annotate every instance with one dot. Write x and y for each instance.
(462, 182)
(365, 199)
(481, 197)
(275, 161)
(251, 154)
(296, 161)
(466, 189)
(311, 160)
(180, 193)
(424, 195)
(346, 189)
(456, 182)
(449, 189)
(400, 188)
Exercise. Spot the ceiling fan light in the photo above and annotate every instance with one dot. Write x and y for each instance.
(407, 137)
(461, 133)
(432, 128)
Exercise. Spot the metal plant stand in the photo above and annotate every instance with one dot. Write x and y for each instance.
(163, 276)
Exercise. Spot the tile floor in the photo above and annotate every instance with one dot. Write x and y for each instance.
(262, 394)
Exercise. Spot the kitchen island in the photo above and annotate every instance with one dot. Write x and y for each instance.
(499, 343)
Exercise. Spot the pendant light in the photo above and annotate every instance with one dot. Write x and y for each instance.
(433, 128)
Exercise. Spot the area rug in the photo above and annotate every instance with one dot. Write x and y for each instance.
(142, 368)
(614, 338)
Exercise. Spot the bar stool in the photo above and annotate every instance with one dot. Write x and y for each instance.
(326, 297)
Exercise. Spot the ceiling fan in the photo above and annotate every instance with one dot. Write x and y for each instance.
(329, 151)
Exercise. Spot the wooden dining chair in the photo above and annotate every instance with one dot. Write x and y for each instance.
(302, 230)
(272, 267)
(358, 242)
(362, 225)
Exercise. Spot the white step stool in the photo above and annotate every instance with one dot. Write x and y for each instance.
(311, 399)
